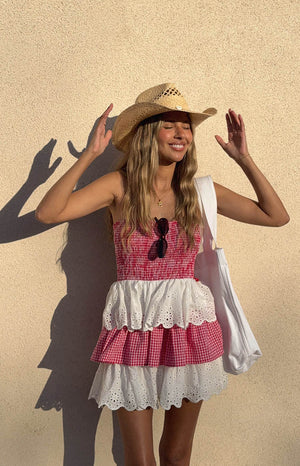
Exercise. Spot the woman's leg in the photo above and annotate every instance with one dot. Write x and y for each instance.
(175, 446)
(137, 436)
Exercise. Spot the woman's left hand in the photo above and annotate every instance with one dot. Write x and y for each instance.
(236, 147)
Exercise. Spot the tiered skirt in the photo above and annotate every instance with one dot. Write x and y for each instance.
(160, 343)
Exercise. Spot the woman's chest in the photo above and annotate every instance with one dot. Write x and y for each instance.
(141, 259)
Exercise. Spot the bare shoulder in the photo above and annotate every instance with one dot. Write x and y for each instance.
(118, 181)
(120, 184)
(112, 183)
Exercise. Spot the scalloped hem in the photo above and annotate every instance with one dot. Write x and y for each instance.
(158, 405)
(137, 388)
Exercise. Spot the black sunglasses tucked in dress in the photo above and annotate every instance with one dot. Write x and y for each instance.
(161, 244)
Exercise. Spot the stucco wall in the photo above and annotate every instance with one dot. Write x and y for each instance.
(62, 63)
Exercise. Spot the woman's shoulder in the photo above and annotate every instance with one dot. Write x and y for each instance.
(118, 182)
(115, 180)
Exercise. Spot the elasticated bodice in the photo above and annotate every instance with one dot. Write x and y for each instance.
(141, 261)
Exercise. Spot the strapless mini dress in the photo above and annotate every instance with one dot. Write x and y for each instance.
(160, 341)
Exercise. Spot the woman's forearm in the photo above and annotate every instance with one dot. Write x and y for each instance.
(56, 199)
(268, 200)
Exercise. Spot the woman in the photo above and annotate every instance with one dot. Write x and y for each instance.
(161, 342)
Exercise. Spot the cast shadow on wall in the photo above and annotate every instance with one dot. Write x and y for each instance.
(88, 261)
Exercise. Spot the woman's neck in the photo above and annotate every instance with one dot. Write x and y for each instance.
(163, 177)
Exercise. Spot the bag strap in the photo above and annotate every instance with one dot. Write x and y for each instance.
(208, 201)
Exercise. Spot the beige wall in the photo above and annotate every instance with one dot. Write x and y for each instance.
(62, 63)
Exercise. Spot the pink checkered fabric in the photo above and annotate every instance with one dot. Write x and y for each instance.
(141, 263)
(169, 347)
(174, 346)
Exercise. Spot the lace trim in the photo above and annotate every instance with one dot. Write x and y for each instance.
(142, 304)
(136, 388)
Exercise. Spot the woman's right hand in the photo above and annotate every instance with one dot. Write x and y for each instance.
(62, 204)
(99, 140)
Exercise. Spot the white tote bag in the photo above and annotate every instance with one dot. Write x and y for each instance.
(241, 349)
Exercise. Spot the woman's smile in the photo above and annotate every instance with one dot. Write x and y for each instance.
(178, 147)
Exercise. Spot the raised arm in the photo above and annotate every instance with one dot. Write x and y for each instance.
(268, 209)
(61, 203)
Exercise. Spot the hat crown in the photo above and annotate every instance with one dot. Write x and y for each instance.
(166, 95)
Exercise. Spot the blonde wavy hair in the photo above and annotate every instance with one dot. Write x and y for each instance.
(139, 167)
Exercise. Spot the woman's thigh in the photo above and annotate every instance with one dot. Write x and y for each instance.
(178, 433)
(137, 436)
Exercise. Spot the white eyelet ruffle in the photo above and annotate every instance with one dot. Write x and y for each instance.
(138, 387)
(144, 304)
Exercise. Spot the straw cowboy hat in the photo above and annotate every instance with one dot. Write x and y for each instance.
(158, 99)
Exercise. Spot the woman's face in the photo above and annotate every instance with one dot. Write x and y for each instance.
(174, 138)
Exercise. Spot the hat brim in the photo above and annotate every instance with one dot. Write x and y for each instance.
(128, 120)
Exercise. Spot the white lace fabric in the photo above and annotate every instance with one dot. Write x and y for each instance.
(144, 304)
(136, 387)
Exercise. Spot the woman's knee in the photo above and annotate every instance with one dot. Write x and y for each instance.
(176, 455)
(142, 460)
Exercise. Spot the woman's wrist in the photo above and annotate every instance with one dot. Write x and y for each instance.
(88, 155)
(244, 160)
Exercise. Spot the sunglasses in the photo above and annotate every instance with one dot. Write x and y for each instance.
(162, 225)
